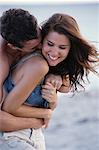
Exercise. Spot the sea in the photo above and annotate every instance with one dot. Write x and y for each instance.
(75, 121)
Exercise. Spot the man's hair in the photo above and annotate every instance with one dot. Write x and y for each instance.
(17, 26)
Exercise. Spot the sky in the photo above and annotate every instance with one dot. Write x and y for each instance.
(47, 1)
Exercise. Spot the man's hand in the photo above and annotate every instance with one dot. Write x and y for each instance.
(47, 118)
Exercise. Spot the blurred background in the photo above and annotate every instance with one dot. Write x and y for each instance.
(75, 121)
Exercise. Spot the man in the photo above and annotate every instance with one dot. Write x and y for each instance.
(20, 35)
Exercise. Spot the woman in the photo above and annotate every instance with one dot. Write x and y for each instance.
(16, 43)
(66, 52)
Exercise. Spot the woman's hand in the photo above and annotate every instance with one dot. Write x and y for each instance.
(66, 86)
(61, 84)
(55, 80)
(49, 93)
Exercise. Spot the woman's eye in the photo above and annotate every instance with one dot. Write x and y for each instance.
(62, 47)
(50, 44)
(65, 47)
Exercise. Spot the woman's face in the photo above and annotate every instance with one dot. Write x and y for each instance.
(55, 48)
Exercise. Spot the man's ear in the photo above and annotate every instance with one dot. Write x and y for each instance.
(12, 46)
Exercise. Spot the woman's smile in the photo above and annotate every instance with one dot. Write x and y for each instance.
(55, 48)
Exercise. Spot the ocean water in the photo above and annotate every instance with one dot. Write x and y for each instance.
(75, 121)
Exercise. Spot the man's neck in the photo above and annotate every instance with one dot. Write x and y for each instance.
(13, 55)
(3, 44)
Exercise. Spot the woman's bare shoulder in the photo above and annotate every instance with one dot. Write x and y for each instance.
(36, 63)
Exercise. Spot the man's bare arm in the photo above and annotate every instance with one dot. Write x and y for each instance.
(9, 122)
(4, 70)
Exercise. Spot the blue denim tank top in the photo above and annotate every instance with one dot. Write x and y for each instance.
(35, 99)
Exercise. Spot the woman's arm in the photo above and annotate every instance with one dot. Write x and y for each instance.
(33, 112)
(33, 71)
(9, 122)
(49, 93)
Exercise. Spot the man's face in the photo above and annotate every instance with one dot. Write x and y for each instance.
(30, 45)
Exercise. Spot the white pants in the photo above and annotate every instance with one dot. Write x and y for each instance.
(28, 139)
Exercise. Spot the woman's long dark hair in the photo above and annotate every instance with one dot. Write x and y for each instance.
(81, 55)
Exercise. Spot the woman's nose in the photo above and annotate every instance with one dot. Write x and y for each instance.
(54, 51)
